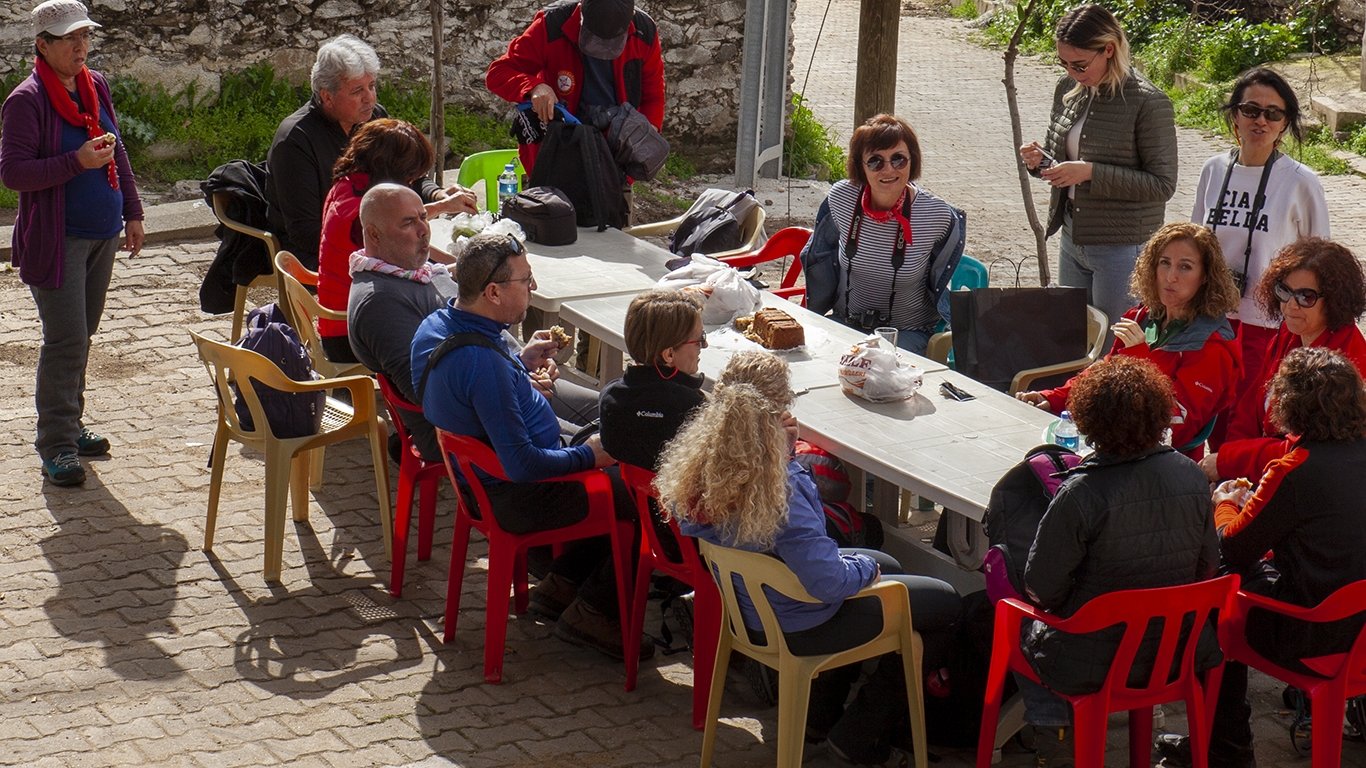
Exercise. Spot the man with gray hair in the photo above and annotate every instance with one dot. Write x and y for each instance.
(308, 143)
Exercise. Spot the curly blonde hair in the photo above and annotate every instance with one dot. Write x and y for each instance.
(1217, 296)
(727, 466)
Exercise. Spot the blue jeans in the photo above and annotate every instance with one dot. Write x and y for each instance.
(70, 315)
(1042, 706)
(1103, 270)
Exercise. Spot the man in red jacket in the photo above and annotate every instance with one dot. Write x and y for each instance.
(583, 53)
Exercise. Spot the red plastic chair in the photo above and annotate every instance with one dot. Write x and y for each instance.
(691, 571)
(1345, 672)
(785, 243)
(414, 473)
(507, 551)
(1134, 609)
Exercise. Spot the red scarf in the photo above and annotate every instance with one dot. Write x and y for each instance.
(882, 217)
(60, 100)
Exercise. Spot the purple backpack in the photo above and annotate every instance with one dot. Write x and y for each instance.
(290, 414)
(1017, 504)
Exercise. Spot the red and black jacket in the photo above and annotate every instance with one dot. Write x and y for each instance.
(548, 52)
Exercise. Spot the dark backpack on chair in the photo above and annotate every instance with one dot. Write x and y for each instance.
(714, 223)
(575, 158)
(290, 414)
(1018, 502)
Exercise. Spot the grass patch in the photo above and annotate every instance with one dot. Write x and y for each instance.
(679, 167)
(966, 10)
(8, 198)
(810, 148)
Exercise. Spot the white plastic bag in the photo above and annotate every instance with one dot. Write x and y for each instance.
(727, 295)
(872, 371)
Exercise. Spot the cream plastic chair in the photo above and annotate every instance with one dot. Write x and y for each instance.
(239, 305)
(751, 229)
(304, 311)
(1096, 325)
(287, 459)
(796, 672)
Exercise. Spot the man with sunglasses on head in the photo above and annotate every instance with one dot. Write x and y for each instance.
(471, 383)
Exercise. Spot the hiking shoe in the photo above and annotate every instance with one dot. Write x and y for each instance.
(582, 626)
(552, 596)
(91, 444)
(1053, 747)
(64, 469)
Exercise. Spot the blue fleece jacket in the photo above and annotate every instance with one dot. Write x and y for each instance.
(813, 556)
(475, 391)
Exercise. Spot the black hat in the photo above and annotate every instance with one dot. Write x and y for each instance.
(602, 34)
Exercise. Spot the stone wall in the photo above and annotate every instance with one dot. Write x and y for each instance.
(172, 42)
(1347, 14)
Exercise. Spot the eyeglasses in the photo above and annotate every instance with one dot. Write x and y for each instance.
(517, 249)
(898, 161)
(700, 341)
(1252, 112)
(1305, 297)
(82, 36)
(1079, 69)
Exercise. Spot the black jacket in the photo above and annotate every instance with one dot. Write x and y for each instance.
(306, 146)
(1116, 524)
(241, 258)
(642, 411)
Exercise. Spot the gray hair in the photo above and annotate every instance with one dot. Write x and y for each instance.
(342, 58)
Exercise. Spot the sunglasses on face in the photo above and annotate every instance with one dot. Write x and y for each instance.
(1252, 112)
(875, 162)
(1080, 69)
(1305, 297)
(516, 249)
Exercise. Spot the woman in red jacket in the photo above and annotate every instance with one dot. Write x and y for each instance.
(383, 150)
(1186, 290)
(1317, 289)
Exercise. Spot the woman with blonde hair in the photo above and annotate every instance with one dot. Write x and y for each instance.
(1185, 290)
(731, 479)
(1110, 157)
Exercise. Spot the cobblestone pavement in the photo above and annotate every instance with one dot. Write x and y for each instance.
(123, 642)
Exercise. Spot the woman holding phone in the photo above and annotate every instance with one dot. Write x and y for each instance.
(1257, 201)
(1110, 157)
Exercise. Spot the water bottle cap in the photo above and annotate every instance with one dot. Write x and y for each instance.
(1067, 415)
(509, 167)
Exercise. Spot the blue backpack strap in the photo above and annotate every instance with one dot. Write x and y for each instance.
(455, 341)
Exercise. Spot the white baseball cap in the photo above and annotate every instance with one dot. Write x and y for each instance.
(61, 17)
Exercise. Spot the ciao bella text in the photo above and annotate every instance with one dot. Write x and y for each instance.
(1236, 210)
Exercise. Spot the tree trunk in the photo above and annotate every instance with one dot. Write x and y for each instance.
(438, 116)
(879, 26)
(1017, 132)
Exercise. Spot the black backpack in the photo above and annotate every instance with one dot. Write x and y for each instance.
(637, 146)
(713, 223)
(545, 215)
(1018, 502)
(290, 414)
(575, 158)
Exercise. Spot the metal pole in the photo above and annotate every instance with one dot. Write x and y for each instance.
(775, 89)
(751, 80)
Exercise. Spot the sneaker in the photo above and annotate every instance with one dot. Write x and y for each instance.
(552, 596)
(64, 469)
(91, 444)
(1053, 747)
(582, 626)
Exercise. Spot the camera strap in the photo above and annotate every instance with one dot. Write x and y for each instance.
(898, 251)
(1258, 201)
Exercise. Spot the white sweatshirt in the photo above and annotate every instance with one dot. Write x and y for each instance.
(1294, 208)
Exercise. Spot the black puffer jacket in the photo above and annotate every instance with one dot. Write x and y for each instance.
(1117, 524)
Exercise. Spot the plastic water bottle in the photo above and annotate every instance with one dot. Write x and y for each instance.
(507, 185)
(1065, 432)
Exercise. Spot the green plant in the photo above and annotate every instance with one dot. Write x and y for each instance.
(810, 147)
(8, 198)
(965, 10)
(679, 167)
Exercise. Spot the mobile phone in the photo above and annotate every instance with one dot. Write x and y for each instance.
(1047, 161)
(955, 392)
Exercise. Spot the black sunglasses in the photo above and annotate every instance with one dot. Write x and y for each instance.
(876, 162)
(1252, 112)
(517, 250)
(1305, 297)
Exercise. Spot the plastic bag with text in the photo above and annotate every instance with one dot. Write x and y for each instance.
(873, 372)
(726, 294)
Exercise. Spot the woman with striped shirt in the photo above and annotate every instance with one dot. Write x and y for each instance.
(898, 244)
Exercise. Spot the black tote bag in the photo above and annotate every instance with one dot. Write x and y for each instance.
(998, 332)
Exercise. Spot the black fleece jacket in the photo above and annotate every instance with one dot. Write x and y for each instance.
(642, 411)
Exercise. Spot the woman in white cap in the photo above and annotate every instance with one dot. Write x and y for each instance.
(63, 155)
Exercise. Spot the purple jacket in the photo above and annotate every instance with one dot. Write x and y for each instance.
(32, 164)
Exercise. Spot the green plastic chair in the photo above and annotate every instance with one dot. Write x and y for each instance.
(970, 273)
(486, 167)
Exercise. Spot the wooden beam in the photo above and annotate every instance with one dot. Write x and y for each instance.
(875, 86)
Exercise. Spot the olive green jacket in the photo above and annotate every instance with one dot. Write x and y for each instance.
(1130, 139)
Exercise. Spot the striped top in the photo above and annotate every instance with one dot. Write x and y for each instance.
(871, 277)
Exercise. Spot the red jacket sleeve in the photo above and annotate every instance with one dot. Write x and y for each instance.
(652, 86)
(512, 76)
(1249, 458)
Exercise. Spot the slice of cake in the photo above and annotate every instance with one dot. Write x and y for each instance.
(776, 329)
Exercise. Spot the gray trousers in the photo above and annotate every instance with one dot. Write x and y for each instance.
(70, 315)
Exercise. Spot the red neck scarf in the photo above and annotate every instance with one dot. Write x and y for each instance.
(61, 101)
(882, 217)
